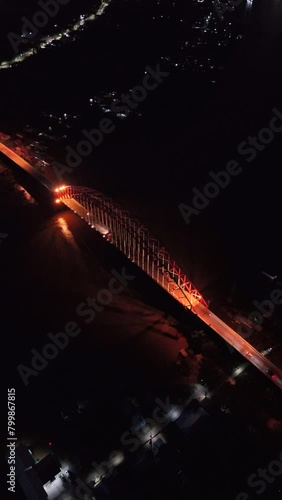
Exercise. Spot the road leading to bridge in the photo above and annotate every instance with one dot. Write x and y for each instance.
(240, 344)
(20, 162)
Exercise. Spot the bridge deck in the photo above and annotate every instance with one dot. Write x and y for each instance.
(20, 162)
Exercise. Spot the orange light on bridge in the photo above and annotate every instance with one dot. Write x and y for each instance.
(61, 188)
(58, 200)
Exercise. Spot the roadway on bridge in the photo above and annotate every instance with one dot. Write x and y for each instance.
(25, 165)
(240, 344)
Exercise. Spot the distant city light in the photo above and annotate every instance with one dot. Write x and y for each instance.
(49, 39)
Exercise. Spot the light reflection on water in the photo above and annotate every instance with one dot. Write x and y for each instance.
(26, 195)
(67, 245)
(62, 224)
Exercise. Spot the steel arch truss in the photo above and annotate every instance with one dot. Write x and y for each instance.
(133, 239)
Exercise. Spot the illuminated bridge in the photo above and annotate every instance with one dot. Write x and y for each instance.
(132, 239)
(136, 242)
